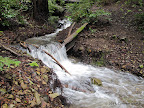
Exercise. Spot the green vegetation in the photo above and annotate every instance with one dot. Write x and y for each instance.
(134, 2)
(82, 12)
(34, 64)
(11, 9)
(6, 63)
(53, 6)
(140, 21)
(141, 66)
(100, 62)
(53, 20)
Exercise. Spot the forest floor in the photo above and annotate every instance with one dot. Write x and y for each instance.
(28, 84)
(116, 44)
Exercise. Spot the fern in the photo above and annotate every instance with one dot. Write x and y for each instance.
(7, 62)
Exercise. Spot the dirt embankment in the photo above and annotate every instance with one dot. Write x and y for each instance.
(31, 83)
(115, 44)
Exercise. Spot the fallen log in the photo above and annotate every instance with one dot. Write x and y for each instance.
(71, 29)
(72, 36)
(8, 49)
(57, 62)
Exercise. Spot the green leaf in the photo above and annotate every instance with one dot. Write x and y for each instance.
(7, 62)
(34, 64)
(141, 66)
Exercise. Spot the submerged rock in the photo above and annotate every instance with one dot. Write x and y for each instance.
(96, 81)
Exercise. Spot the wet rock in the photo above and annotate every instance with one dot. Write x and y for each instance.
(96, 81)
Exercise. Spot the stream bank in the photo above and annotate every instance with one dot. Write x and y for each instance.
(116, 44)
(31, 83)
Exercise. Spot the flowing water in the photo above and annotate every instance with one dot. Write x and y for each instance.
(118, 90)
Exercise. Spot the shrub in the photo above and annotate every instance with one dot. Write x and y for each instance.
(53, 6)
(139, 19)
(82, 12)
(11, 9)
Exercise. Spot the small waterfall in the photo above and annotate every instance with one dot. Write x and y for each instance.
(118, 90)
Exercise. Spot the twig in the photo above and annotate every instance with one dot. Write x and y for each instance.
(24, 45)
(70, 30)
(8, 49)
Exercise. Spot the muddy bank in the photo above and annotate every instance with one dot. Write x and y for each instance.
(115, 44)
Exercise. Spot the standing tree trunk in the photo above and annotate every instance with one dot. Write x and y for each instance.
(40, 9)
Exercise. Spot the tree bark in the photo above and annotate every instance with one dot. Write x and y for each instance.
(40, 9)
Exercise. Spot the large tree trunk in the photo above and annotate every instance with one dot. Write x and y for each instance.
(40, 9)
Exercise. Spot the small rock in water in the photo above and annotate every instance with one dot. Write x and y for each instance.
(96, 81)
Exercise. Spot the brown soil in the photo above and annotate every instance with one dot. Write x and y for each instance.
(17, 33)
(26, 85)
(115, 44)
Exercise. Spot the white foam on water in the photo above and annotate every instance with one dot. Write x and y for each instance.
(118, 90)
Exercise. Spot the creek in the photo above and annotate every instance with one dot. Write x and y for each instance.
(118, 90)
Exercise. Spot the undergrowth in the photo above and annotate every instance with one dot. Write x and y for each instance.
(6, 63)
(139, 20)
(82, 12)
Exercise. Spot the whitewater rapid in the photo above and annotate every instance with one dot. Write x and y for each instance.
(118, 90)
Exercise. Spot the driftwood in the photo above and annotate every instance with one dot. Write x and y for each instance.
(71, 29)
(8, 49)
(49, 55)
(56, 62)
(72, 36)
(24, 45)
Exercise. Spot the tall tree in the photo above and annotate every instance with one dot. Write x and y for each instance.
(40, 9)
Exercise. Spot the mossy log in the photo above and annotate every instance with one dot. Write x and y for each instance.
(72, 36)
